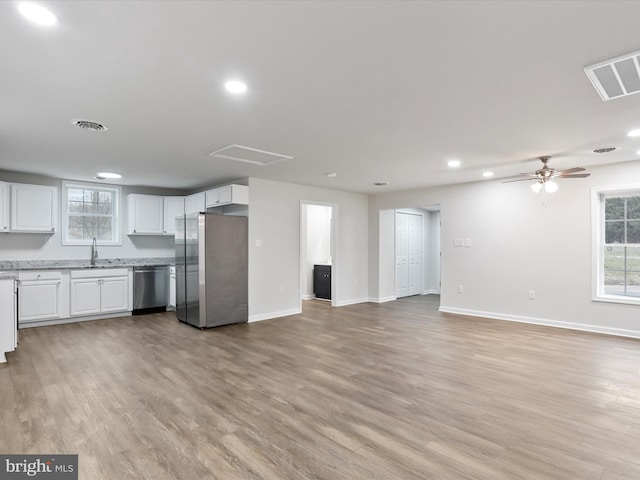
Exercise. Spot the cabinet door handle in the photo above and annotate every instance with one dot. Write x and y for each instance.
(53, 229)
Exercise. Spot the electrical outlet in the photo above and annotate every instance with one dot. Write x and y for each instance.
(281, 289)
(532, 294)
(460, 288)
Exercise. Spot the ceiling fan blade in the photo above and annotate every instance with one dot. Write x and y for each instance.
(571, 170)
(519, 180)
(575, 175)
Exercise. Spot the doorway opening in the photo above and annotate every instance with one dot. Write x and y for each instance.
(417, 251)
(318, 252)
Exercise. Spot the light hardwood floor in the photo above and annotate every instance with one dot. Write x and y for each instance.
(391, 391)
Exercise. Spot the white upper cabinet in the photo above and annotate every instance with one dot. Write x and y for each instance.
(4, 207)
(227, 195)
(195, 203)
(173, 206)
(153, 214)
(146, 214)
(34, 208)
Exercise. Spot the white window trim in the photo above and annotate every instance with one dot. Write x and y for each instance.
(597, 234)
(118, 213)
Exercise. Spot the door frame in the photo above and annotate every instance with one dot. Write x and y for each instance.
(406, 211)
(333, 246)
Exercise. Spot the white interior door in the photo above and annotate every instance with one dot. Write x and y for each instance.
(415, 251)
(409, 254)
(402, 254)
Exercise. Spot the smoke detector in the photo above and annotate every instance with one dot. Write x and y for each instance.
(89, 125)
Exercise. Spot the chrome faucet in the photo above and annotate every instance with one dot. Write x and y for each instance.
(94, 252)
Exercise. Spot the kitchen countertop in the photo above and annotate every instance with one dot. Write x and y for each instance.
(8, 274)
(77, 264)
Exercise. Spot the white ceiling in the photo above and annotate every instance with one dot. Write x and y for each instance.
(373, 91)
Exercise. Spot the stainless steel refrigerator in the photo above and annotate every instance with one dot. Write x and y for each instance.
(211, 269)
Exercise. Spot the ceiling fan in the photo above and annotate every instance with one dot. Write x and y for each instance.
(544, 177)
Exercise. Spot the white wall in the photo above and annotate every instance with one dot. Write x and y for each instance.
(386, 239)
(274, 267)
(518, 244)
(317, 242)
(35, 246)
(432, 274)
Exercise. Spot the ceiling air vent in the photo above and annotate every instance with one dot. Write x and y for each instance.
(249, 155)
(89, 125)
(605, 150)
(615, 78)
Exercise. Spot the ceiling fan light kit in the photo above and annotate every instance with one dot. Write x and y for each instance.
(544, 177)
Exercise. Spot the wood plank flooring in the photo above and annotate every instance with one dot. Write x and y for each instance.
(390, 391)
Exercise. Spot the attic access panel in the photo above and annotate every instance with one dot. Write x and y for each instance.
(617, 77)
(254, 156)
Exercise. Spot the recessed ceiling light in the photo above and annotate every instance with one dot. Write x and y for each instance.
(332, 175)
(454, 163)
(37, 14)
(381, 184)
(235, 86)
(487, 174)
(638, 152)
(634, 133)
(110, 175)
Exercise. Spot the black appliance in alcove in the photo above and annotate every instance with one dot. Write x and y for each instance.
(322, 281)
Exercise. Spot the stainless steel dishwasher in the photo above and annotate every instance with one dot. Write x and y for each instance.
(150, 289)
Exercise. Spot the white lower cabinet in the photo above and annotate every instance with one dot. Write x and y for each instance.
(172, 287)
(96, 292)
(40, 296)
(85, 296)
(8, 333)
(115, 295)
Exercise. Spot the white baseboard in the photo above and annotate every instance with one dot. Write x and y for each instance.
(60, 321)
(431, 292)
(620, 332)
(268, 316)
(383, 299)
(308, 297)
(353, 301)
